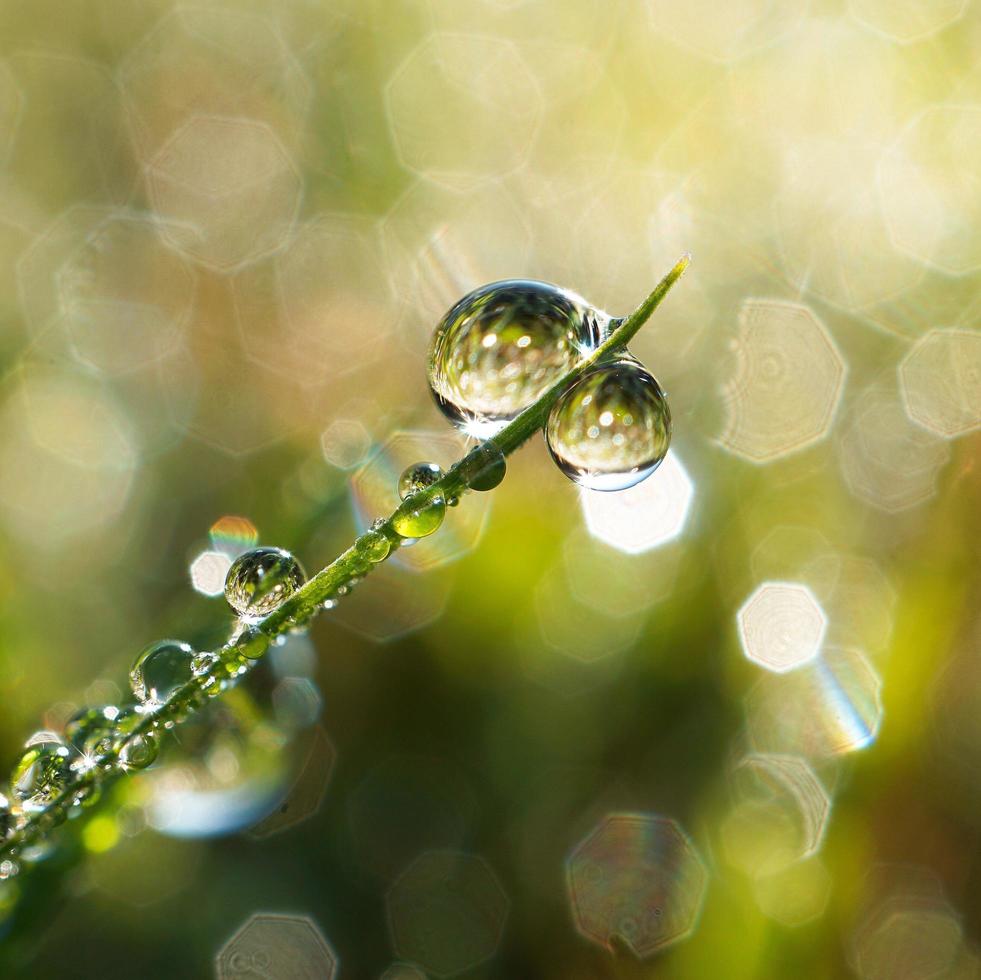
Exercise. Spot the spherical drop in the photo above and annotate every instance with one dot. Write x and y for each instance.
(419, 516)
(261, 580)
(611, 429)
(139, 751)
(501, 347)
(375, 546)
(160, 670)
(483, 468)
(417, 477)
(41, 772)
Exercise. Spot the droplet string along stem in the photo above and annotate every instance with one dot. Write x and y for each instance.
(57, 778)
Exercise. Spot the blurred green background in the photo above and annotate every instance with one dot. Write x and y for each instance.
(227, 231)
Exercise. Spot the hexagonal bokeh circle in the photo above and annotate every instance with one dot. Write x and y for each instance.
(644, 516)
(786, 385)
(270, 945)
(227, 188)
(447, 912)
(940, 381)
(781, 626)
(637, 879)
(463, 108)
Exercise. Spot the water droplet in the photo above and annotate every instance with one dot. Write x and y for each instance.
(418, 477)
(41, 772)
(261, 580)
(203, 663)
(503, 346)
(611, 429)
(159, 671)
(483, 468)
(253, 644)
(89, 732)
(375, 546)
(139, 751)
(418, 516)
(8, 869)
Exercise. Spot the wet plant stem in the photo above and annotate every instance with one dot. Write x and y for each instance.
(239, 655)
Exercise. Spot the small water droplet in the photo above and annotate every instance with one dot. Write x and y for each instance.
(375, 546)
(261, 580)
(160, 670)
(203, 663)
(503, 346)
(418, 477)
(483, 468)
(611, 429)
(139, 751)
(419, 516)
(41, 772)
(8, 869)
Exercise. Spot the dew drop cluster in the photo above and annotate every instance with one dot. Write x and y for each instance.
(503, 346)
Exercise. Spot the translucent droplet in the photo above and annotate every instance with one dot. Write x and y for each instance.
(418, 516)
(261, 580)
(90, 732)
(503, 346)
(375, 546)
(160, 670)
(483, 468)
(8, 869)
(139, 751)
(203, 663)
(612, 428)
(41, 772)
(253, 645)
(418, 477)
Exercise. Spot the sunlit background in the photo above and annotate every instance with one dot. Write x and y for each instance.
(726, 723)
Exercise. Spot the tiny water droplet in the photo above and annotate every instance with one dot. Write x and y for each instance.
(139, 751)
(41, 772)
(611, 429)
(159, 671)
(503, 346)
(418, 477)
(330, 604)
(261, 580)
(203, 663)
(8, 869)
(375, 546)
(483, 468)
(419, 516)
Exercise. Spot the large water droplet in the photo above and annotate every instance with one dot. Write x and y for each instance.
(503, 346)
(261, 580)
(417, 477)
(159, 671)
(41, 772)
(612, 428)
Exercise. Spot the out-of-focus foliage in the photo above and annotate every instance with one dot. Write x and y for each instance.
(725, 723)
